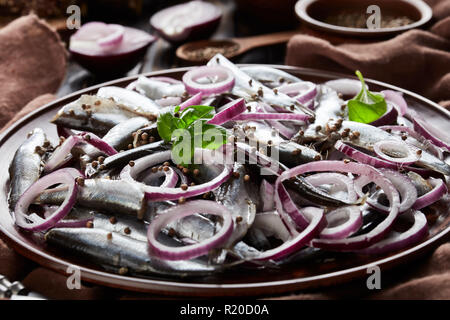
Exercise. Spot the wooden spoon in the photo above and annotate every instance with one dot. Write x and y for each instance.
(203, 50)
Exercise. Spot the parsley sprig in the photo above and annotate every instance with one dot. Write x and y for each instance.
(366, 107)
(187, 129)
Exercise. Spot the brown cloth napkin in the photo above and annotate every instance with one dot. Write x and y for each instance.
(417, 60)
(32, 62)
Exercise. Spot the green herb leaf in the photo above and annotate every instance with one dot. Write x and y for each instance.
(189, 129)
(165, 125)
(366, 107)
(194, 113)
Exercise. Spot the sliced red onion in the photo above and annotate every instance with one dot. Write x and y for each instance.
(163, 194)
(195, 100)
(272, 116)
(64, 223)
(99, 143)
(299, 240)
(229, 111)
(271, 224)
(440, 139)
(389, 117)
(114, 38)
(396, 98)
(405, 187)
(266, 191)
(362, 157)
(188, 21)
(208, 80)
(21, 210)
(303, 91)
(195, 250)
(407, 154)
(399, 240)
(139, 165)
(438, 191)
(62, 153)
(338, 179)
(288, 209)
(342, 222)
(349, 87)
(170, 181)
(285, 131)
(376, 176)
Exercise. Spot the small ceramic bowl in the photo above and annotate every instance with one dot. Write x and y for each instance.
(314, 13)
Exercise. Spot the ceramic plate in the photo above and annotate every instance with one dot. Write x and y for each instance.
(324, 270)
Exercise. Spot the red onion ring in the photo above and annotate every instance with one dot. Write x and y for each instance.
(229, 111)
(298, 241)
(389, 117)
(266, 191)
(409, 150)
(97, 142)
(65, 176)
(352, 222)
(59, 155)
(272, 116)
(170, 181)
(160, 194)
(339, 179)
(397, 100)
(362, 157)
(396, 241)
(440, 139)
(438, 191)
(195, 250)
(224, 75)
(303, 91)
(402, 183)
(285, 131)
(376, 176)
(196, 99)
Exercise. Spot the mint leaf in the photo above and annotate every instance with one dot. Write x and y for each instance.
(366, 107)
(165, 125)
(194, 113)
(189, 129)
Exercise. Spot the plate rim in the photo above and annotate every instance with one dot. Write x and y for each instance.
(175, 287)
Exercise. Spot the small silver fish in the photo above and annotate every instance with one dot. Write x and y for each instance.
(114, 196)
(111, 249)
(97, 114)
(27, 165)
